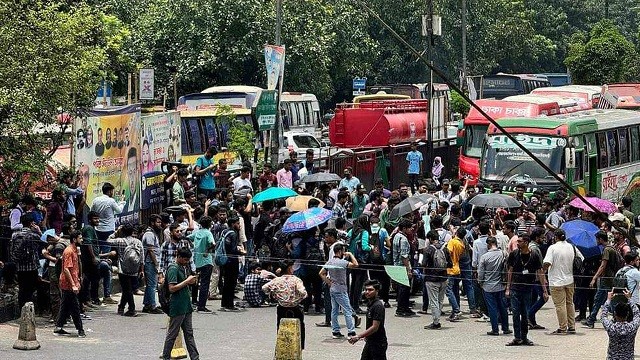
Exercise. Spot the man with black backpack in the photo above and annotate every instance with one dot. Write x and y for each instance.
(628, 277)
(610, 263)
(436, 262)
(25, 250)
(130, 265)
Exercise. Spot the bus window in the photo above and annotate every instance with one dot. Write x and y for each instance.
(623, 136)
(603, 152)
(211, 133)
(635, 144)
(612, 147)
(587, 149)
(578, 174)
(196, 137)
(185, 139)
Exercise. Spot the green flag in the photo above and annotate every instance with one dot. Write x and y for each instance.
(397, 274)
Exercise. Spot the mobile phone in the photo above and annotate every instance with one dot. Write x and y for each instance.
(617, 290)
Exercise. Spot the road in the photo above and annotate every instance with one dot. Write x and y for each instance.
(251, 335)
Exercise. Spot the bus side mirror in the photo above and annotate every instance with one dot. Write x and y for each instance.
(570, 158)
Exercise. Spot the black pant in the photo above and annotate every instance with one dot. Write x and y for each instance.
(403, 297)
(27, 284)
(291, 313)
(205, 279)
(230, 281)
(358, 277)
(313, 283)
(385, 281)
(126, 282)
(90, 283)
(413, 180)
(374, 351)
(69, 305)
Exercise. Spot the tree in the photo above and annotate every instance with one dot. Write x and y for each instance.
(604, 56)
(240, 136)
(52, 58)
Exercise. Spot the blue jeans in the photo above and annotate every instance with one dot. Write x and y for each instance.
(497, 309)
(453, 292)
(338, 300)
(466, 273)
(104, 271)
(520, 302)
(599, 300)
(537, 297)
(151, 278)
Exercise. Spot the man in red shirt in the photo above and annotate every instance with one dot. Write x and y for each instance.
(268, 178)
(70, 286)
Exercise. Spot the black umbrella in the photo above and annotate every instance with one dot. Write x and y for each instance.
(411, 204)
(321, 177)
(493, 201)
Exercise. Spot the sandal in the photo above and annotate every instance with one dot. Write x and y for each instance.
(527, 342)
(558, 332)
(514, 342)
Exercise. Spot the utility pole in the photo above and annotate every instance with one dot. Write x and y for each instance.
(430, 90)
(275, 139)
(464, 44)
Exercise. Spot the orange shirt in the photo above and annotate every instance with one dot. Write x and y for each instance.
(70, 262)
(456, 249)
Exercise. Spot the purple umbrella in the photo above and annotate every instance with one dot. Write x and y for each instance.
(603, 205)
(306, 220)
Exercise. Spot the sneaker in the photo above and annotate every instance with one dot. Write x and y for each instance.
(433, 326)
(357, 320)
(571, 330)
(202, 310)
(156, 310)
(138, 292)
(558, 332)
(81, 334)
(536, 326)
(493, 333)
(507, 332)
(109, 301)
(351, 335)
(423, 312)
(454, 317)
(588, 324)
(337, 335)
(131, 313)
(232, 309)
(85, 317)
(323, 324)
(90, 306)
(120, 312)
(60, 331)
(476, 315)
(97, 303)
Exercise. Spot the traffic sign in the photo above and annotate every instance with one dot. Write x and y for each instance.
(267, 109)
(146, 84)
(359, 83)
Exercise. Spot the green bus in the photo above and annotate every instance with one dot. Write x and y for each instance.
(597, 150)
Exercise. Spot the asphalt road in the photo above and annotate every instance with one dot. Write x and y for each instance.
(251, 335)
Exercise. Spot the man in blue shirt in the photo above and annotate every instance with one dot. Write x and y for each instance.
(414, 159)
(205, 168)
(349, 181)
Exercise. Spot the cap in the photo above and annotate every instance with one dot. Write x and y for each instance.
(617, 217)
(360, 187)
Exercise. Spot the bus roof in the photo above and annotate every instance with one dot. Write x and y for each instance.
(502, 108)
(233, 89)
(563, 103)
(210, 112)
(584, 121)
(583, 92)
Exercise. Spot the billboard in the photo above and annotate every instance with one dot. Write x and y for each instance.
(159, 141)
(108, 150)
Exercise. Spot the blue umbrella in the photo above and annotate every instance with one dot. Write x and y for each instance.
(582, 234)
(306, 220)
(273, 193)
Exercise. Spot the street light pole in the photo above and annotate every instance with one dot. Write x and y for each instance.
(430, 90)
(275, 140)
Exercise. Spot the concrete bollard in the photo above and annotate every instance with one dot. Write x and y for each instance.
(27, 335)
(288, 342)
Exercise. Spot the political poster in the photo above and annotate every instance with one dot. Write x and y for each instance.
(108, 150)
(159, 142)
(274, 60)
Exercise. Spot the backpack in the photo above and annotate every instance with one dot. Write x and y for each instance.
(279, 248)
(439, 258)
(132, 258)
(362, 256)
(388, 260)
(314, 253)
(617, 262)
(164, 295)
(620, 279)
(220, 257)
(578, 266)
(376, 251)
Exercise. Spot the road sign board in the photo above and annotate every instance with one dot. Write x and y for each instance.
(359, 83)
(358, 92)
(146, 84)
(267, 109)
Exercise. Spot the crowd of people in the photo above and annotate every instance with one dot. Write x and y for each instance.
(213, 241)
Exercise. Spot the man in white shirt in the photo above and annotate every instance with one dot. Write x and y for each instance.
(243, 182)
(559, 263)
(107, 207)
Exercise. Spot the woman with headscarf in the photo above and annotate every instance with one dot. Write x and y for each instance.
(359, 246)
(437, 170)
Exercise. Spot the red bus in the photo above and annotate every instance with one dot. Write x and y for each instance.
(620, 96)
(566, 105)
(474, 127)
(589, 94)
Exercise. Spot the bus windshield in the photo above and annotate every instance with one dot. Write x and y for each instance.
(474, 136)
(503, 159)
